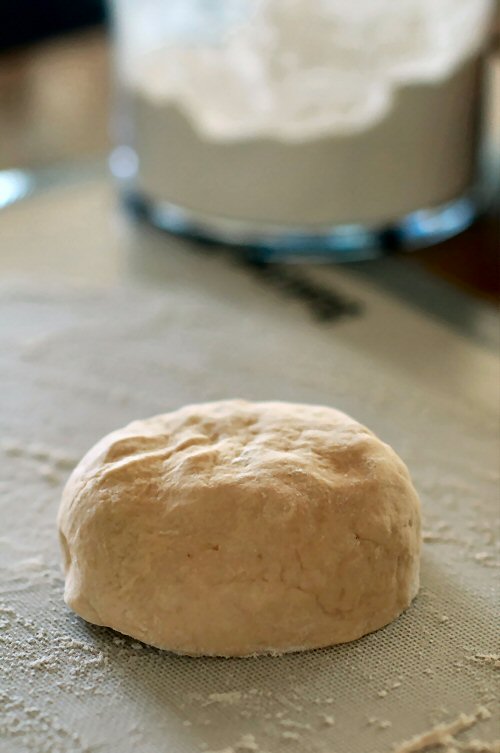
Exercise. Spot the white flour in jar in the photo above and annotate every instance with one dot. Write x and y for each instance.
(313, 113)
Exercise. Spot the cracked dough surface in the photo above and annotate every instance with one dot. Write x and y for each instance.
(234, 528)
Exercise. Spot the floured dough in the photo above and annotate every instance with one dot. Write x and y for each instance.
(235, 528)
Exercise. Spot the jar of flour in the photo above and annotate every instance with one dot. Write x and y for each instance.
(298, 126)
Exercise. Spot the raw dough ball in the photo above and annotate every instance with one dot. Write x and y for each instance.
(235, 528)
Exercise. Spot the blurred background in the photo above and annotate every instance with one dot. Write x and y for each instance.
(54, 85)
(55, 95)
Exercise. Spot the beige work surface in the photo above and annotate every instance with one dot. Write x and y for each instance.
(101, 323)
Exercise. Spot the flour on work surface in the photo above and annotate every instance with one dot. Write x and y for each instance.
(443, 734)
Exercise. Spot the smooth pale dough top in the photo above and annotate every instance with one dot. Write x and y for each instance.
(235, 528)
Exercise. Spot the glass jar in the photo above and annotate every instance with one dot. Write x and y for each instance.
(301, 126)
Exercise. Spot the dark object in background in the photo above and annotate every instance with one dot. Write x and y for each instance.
(26, 21)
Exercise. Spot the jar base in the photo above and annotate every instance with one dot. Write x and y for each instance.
(338, 243)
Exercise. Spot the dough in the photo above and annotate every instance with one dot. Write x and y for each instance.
(236, 528)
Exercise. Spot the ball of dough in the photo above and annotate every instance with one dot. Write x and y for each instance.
(235, 528)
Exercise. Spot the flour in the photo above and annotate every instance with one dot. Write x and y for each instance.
(341, 124)
(442, 735)
(56, 458)
(491, 659)
(290, 735)
(49, 474)
(230, 698)
(328, 719)
(246, 744)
